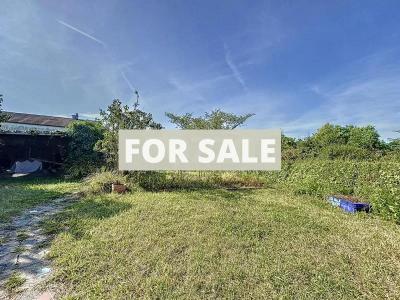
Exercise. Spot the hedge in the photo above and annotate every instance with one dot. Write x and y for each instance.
(377, 182)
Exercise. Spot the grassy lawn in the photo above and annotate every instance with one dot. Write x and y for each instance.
(218, 244)
(17, 194)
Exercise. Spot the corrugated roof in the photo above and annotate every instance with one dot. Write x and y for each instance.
(22, 118)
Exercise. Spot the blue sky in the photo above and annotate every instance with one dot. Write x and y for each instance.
(296, 64)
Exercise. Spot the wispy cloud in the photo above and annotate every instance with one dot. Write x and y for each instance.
(82, 32)
(361, 101)
(199, 84)
(235, 71)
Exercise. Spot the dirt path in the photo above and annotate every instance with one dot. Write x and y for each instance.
(23, 249)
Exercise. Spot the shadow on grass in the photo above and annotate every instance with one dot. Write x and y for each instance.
(30, 179)
(83, 215)
(86, 214)
(18, 194)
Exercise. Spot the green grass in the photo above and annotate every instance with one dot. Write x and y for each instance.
(216, 244)
(14, 282)
(18, 194)
(19, 249)
(22, 236)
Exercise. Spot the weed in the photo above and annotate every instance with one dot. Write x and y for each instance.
(22, 236)
(14, 282)
(19, 249)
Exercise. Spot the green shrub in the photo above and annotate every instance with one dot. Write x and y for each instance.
(149, 180)
(274, 178)
(192, 180)
(155, 181)
(345, 152)
(14, 282)
(321, 177)
(101, 182)
(82, 159)
(377, 182)
(393, 155)
(366, 137)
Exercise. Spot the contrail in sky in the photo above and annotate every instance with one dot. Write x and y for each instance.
(235, 71)
(101, 43)
(82, 32)
(128, 82)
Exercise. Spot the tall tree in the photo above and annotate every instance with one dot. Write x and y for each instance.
(116, 117)
(217, 119)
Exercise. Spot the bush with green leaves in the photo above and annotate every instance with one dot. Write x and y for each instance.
(336, 141)
(347, 152)
(321, 177)
(377, 182)
(366, 137)
(101, 182)
(149, 180)
(82, 159)
(330, 134)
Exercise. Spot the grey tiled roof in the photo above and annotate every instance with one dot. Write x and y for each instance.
(22, 118)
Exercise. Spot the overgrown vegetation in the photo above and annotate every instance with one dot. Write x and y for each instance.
(101, 182)
(335, 141)
(377, 182)
(82, 159)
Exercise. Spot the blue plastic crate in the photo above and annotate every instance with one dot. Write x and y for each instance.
(347, 205)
